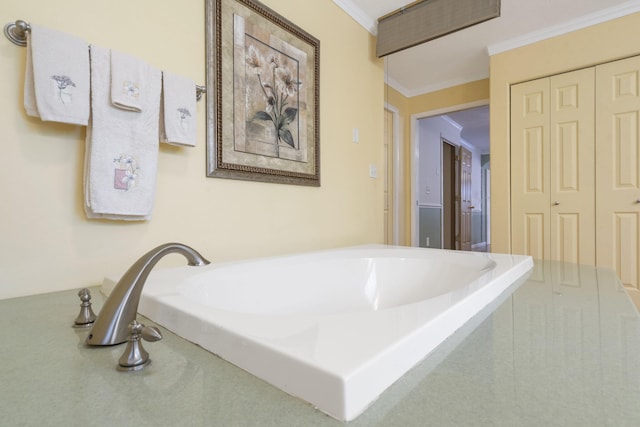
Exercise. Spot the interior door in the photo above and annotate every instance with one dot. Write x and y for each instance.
(530, 169)
(448, 195)
(553, 168)
(464, 181)
(618, 169)
(572, 167)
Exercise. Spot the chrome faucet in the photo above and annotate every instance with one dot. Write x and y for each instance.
(120, 309)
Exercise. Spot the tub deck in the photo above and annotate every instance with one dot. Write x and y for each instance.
(340, 357)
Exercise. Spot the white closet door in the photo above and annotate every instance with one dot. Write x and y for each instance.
(618, 169)
(552, 167)
(572, 146)
(530, 169)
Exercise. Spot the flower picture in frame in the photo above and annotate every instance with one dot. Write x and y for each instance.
(262, 96)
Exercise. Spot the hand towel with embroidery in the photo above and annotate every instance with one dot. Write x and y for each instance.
(121, 156)
(128, 84)
(177, 110)
(56, 84)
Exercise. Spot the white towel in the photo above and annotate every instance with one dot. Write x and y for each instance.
(177, 114)
(56, 85)
(128, 81)
(121, 155)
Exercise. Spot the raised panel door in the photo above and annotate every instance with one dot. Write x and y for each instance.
(530, 169)
(572, 160)
(618, 171)
(466, 207)
(552, 168)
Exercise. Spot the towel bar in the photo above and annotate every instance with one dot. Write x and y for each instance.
(17, 31)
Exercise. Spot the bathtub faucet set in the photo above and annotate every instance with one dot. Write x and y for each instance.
(116, 322)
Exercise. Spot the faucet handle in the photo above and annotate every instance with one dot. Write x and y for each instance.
(150, 333)
(135, 357)
(86, 317)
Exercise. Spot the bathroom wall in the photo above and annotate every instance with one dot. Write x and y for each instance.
(46, 242)
(450, 97)
(605, 42)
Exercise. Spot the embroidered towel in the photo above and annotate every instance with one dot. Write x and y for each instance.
(121, 155)
(177, 111)
(56, 84)
(128, 81)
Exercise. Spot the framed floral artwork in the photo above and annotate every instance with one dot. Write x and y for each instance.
(263, 85)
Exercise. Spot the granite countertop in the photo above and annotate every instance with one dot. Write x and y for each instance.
(560, 348)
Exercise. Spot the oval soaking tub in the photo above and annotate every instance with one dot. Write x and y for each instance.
(335, 328)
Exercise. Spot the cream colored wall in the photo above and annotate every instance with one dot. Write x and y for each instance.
(47, 244)
(597, 44)
(450, 97)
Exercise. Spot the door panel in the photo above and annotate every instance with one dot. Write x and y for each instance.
(534, 241)
(618, 184)
(625, 244)
(530, 169)
(534, 162)
(567, 241)
(572, 141)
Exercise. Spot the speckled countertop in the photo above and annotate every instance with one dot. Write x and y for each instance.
(562, 349)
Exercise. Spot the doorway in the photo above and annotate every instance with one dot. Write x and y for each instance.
(435, 138)
(393, 170)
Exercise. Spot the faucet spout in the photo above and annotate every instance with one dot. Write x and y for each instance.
(121, 308)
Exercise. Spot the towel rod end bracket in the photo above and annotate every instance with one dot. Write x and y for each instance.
(16, 32)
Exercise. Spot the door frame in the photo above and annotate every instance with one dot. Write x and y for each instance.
(397, 189)
(415, 155)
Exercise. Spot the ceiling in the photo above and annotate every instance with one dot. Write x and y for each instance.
(463, 56)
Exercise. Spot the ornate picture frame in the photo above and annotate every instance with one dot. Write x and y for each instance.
(263, 87)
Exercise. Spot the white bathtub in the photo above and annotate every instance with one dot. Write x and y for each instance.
(335, 328)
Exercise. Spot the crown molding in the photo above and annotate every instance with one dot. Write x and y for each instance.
(446, 84)
(452, 122)
(391, 82)
(434, 87)
(626, 8)
(360, 17)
